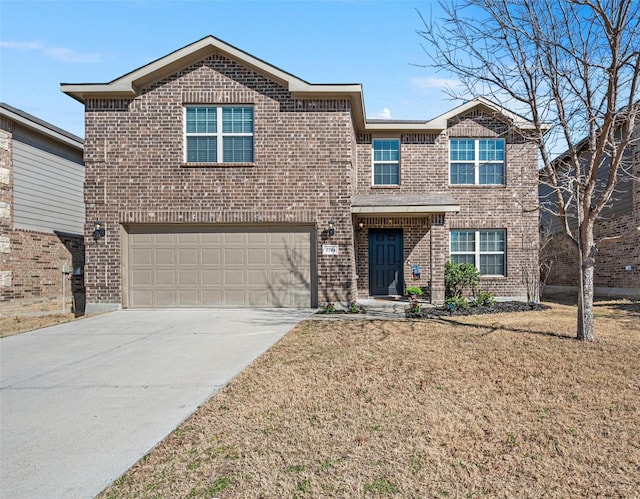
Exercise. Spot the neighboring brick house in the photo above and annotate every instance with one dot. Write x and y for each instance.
(41, 215)
(617, 270)
(222, 180)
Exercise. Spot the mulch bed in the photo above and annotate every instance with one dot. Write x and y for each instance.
(498, 308)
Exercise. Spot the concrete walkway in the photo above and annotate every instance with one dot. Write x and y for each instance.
(81, 402)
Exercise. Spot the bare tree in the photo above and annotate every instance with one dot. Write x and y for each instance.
(572, 67)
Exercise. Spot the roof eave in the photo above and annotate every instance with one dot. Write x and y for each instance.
(42, 127)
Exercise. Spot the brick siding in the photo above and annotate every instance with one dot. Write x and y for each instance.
(308, 163)
(31, 262)
(424, 167)
(135, 171)
(611, 275)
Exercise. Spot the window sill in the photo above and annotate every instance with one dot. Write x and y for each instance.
(390, 186)
(216, 165)
(478, 186)
(493, 277)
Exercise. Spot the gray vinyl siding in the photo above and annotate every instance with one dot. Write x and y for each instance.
(47, 191)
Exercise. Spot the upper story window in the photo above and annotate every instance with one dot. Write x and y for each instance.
(219, 134)
(386, 162)
(483, 248)
(476, 161)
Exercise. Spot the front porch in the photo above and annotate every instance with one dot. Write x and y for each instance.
(401, 241)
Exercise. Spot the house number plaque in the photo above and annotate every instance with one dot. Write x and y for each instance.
(329, 249)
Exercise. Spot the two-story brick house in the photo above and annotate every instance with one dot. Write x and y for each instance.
(221, 180)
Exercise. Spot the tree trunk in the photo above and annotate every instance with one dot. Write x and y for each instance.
(586, 330)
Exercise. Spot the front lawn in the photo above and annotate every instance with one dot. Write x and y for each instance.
(504, 405)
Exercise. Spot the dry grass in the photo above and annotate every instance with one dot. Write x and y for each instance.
(10, 325)
(491, 406)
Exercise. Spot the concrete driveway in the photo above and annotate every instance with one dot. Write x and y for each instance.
(83, 401)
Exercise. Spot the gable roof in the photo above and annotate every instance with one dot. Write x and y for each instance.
(130, 84)
(29, 121)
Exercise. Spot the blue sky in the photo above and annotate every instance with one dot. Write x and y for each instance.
(45, 43)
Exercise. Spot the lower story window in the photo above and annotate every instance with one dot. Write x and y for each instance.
(483, 248)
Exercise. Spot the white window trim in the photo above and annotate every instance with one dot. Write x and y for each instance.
(374, 162)
(477, 251)
(218, 135)
(476, 160)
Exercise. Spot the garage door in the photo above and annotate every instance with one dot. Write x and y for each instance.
(198, 266)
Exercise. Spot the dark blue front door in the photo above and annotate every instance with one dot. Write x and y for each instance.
(385, 262)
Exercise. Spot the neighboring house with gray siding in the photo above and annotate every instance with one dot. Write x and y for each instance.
(41, 214)
(617, 270)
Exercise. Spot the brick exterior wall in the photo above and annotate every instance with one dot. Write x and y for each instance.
(304, 154)
(612, 276)
(309, 162)
(31, 262)
(424, 167)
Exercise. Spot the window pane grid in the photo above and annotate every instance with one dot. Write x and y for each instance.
(219, 134)
(386, 174)
(237, 120)
(238, 150)
(460, 259)
(483, 248)
(463, 173)
(491, 240)
(386, 162)
(476, 161)
(492, 173)
(201, 119)
(462, 241)
(492, 264)
(462, 150)
(201, 150)
(491, 150)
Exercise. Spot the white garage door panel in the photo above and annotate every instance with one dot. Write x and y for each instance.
(173, 266)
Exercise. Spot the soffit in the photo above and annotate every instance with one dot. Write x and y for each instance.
(403, 203)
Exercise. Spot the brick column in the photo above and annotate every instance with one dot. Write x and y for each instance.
(439, 255)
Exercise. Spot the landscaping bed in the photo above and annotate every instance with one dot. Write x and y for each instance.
(497, 308)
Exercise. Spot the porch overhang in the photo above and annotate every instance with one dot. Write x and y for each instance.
(403, 204)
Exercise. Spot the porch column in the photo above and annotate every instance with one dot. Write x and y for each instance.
(439, 256)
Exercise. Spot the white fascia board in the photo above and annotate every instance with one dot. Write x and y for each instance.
(83, 91)
(401, 127)
(127, 85)
(42, 129)
(440, 122)
(406, 209)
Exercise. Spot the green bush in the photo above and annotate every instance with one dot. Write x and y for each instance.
(414, 290)
(485, 299)
(328, 308)
(456, 303)
(458, 276)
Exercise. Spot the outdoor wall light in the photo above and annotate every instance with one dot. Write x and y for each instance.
(360, 225)
(332, 229)
(98, 230)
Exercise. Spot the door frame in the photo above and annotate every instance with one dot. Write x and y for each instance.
(399, 265)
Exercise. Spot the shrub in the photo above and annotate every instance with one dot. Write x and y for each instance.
(354, 308)
(414, 291)
(458, 276)
(457, 303)
(485, 299)
(329, 308)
